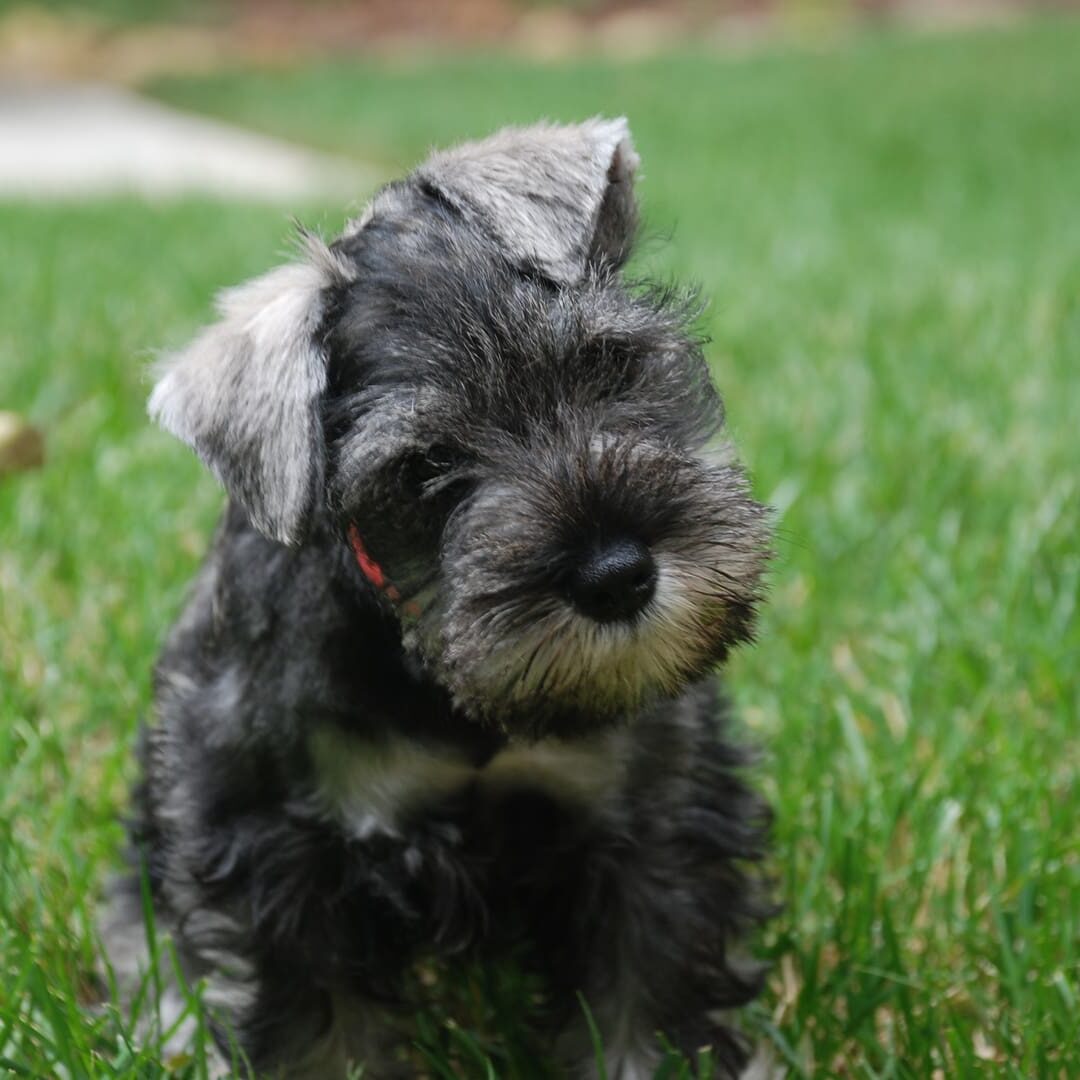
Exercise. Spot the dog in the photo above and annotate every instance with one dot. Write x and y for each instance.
(444, 686)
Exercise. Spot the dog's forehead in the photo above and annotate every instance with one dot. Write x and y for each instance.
(499, 361)
(436, 304)
(475, 337)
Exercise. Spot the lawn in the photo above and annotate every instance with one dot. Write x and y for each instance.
(889, 230)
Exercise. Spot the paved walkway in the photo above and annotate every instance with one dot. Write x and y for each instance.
(60, 140)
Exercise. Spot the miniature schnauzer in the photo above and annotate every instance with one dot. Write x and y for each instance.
(443, 687)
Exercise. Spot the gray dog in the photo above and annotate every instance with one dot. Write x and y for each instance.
(442, 690)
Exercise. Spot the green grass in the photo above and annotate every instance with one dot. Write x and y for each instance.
(889, 231)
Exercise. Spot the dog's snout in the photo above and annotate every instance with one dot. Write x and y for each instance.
(614, 581)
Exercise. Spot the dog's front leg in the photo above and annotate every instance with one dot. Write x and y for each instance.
(672, 892)
(659, 972)
(269, 1018)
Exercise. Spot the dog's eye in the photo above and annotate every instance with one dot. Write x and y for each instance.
(432, 471)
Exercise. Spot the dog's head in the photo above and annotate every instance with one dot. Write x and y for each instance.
(520, 447)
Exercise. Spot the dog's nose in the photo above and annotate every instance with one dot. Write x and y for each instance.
(614, 581)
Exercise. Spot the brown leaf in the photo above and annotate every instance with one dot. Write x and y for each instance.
(22, 446)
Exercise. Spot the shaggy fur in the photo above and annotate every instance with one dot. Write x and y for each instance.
(453, 755)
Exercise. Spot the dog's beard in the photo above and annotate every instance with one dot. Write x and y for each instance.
(534, 666)
(568, 662)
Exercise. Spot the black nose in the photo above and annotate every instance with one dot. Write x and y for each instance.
(614, 581)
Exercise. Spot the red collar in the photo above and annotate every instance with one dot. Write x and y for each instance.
(375, 574)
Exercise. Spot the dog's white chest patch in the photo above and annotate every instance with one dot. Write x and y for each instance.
(370, 786)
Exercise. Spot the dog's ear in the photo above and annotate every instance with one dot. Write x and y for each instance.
(557, 197)
(246, 393)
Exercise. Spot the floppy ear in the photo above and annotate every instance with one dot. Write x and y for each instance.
(557, 197)
(245, 394)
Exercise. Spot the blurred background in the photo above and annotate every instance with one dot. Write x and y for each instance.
(880, 202)
(128, 39)
(72, 120)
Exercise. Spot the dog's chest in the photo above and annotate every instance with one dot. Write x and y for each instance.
(394, 786)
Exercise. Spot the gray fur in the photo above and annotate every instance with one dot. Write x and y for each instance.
(542, 189)
(454, 756)
(245, 393)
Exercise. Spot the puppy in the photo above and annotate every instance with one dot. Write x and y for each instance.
(443, 687)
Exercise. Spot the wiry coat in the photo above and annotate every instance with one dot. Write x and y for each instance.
(418, 746)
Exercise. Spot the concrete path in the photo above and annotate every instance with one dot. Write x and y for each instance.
(60, 140)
